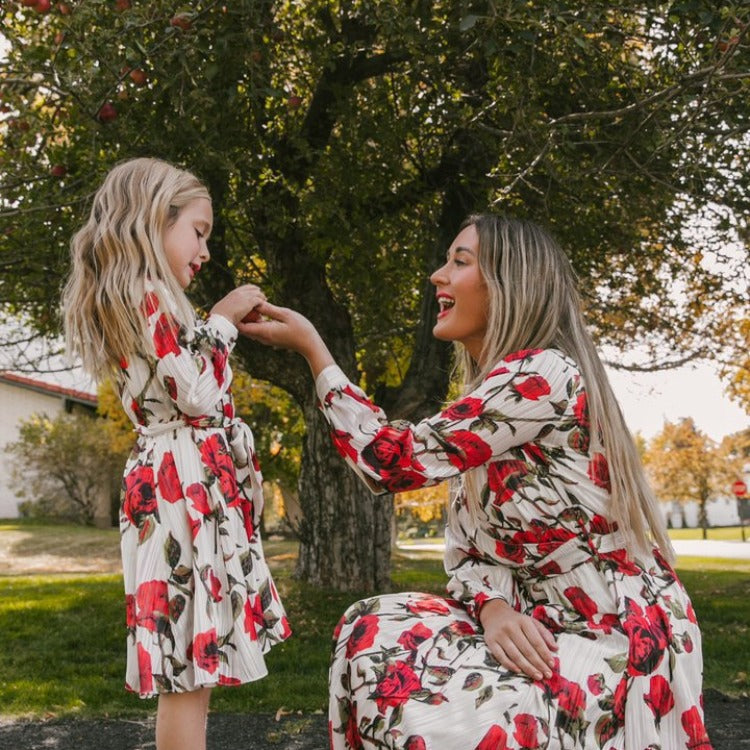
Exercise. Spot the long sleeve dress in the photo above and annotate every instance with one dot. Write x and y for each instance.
(202, 608)
(411, 671)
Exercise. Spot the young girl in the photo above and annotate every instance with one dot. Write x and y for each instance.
(202, 608)
(566, 626)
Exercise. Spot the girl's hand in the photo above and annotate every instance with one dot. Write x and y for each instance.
(518, 642)
(239, 303)
(287, 329)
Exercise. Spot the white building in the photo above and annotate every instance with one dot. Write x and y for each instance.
(21, 396)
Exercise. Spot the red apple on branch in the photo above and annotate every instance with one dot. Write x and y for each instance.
(107, 113)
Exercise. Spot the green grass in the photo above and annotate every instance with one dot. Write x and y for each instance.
(64, 647)
(721, 533)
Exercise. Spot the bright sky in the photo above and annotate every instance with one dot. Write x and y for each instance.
(648, 399)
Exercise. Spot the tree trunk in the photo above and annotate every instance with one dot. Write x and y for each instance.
(345, 532)
(703, 517)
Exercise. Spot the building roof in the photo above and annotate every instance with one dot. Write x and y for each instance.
(36, 383)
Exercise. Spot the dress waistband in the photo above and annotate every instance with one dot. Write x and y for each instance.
(159, 428)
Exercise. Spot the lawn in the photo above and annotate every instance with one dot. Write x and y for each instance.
(64, 634)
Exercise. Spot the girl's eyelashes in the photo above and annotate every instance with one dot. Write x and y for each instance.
(199, 233)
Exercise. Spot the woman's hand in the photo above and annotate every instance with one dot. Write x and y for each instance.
(287, 329)
(518, 642)
(239, 303)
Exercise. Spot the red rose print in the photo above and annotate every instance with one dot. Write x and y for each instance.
(228, 409)
(526, 731)
(123, 363)
(659, 698)
(648, 633)
(286, 629)
(581, 601)
(342, 441)
(579, 440)
(505, 478)
(571, 699)
(687, 643)
(349, 391)
(693, 725)
(152, 606)
(140, 494)
(430, 604)
(469, 449)
(168, 480)
(363, 635)
(535, 454)
(533, 388)
(522, 354)
(499, 371)
(595, 683)
(396, 685)
(351, 732)
(206, 651)
(135, 407)
(199, 497)
(170, 384)
(129, 611)
(495, 739)
(548, 616)
(166, 334)
(547, 538)
(509, 550)
(599, 471)
(600, 525)
(145, 677)
(150, 304)
(253, 620)
(461, 627)
(411, 639)
(466, 408)
(581, 410)
(232, 681)
(391, 449)
(402, 480)
(619, 701)
(623, 563)
(219, 462)
(219, 357)
(212, 584)
(415, 742)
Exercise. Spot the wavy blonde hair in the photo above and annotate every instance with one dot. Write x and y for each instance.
(113, 255)
(534, 303)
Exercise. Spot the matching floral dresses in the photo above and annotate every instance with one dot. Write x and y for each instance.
(411, 671)
(202, 608)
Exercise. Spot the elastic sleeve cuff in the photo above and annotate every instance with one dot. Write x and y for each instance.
(329, 378)
(224, 327)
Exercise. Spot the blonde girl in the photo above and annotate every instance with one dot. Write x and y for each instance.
(565, 625)
(201, 606)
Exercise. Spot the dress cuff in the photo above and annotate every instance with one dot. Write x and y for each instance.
(329, 378)
(223, 326)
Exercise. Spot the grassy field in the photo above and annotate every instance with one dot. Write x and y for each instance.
(63, 634)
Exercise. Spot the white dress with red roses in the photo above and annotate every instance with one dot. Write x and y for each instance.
(202, 608)
(411, 671)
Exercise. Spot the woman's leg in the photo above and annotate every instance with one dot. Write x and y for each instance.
(181, 720)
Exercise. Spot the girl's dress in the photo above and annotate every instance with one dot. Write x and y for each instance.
(412, 671)
(202, 608)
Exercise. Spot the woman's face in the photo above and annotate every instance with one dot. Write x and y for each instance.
(185, 240)
(462, 294)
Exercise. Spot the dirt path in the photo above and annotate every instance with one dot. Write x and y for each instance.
(728, 721)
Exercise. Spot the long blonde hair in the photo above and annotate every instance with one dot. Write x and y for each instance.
(113, 255)
(534, 303)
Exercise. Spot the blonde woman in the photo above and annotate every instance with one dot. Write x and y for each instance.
(565, 627)
(201, 605)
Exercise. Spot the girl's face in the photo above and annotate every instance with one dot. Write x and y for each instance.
(185, 240)
(462, 294)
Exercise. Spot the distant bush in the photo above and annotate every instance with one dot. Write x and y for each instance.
(64, 467)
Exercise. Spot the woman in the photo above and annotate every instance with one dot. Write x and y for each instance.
(566, 626)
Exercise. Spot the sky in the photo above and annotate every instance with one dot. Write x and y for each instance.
(648, 399)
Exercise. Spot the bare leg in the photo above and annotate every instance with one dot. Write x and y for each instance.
(181, 720)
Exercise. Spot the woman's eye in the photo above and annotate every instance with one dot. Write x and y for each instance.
(199, 233)
(459, 262)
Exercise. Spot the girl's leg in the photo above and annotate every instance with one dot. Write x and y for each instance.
(181, 720)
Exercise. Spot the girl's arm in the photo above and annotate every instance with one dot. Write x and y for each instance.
(196, 373)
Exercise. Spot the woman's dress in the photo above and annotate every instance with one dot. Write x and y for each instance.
(412, 670)
(202, 608)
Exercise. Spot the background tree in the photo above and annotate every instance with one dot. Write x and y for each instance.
(344, 141)
(685, 464)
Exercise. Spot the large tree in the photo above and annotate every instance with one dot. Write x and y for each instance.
(343, 142)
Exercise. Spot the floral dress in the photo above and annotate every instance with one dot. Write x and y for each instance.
(411, 671)
(202, 608)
